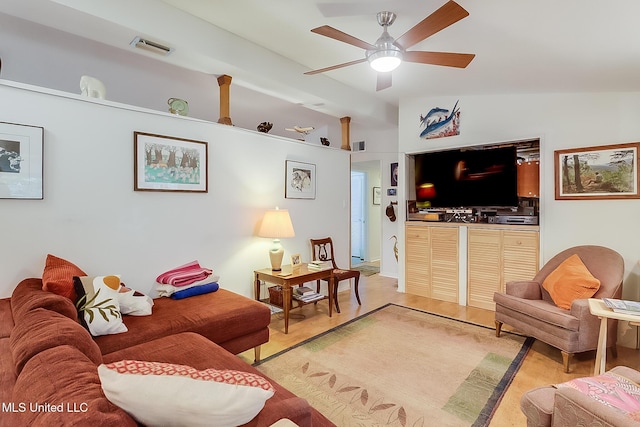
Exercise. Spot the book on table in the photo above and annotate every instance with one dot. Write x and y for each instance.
(304, 291)
(318, 265)
(623, 306)
(308, 298)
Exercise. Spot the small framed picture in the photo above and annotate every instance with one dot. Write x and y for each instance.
(21, 161)
(165, 163)
(296, 260)
(376, 195)
(296, 263)
(391, 192)
(394, 174)
(300, 180)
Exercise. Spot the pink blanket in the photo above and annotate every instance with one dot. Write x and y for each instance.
(184, 275)
(612, 390)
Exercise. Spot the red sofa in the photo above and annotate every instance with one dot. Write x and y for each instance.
(47, 357)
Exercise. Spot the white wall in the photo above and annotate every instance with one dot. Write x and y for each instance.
(560, 121)
(91, 215)
(382, 147)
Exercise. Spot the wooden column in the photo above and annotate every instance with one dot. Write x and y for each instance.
(346, 137)
(224, 82)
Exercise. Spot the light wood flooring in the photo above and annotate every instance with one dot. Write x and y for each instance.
(542, 365)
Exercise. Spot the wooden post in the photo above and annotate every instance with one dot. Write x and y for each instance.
(346, 137)
(224, 81)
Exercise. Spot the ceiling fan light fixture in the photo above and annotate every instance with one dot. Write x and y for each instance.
(385, 61)
(387, 56)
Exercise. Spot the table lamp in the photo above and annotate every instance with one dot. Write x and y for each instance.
(276, 224)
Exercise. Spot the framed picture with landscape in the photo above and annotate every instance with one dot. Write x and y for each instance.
(600, 172)
(165, 163)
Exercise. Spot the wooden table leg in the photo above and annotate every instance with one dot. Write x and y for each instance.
(601, 352)
(330, 290)
(286, 303)
(257, 288)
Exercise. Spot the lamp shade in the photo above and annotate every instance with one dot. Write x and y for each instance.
(276, 224)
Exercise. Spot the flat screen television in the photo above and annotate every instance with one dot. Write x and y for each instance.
(467, 178)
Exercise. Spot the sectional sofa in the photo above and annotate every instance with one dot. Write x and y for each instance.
(48, 358)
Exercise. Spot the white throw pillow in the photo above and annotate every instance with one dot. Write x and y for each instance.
(165, 394)
(133, 302)
(98, 304)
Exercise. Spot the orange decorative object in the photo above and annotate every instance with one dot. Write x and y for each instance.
(529, 179)
(426, 191)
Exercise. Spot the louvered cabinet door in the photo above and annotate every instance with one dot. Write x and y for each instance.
(520, 254)
(417, 261)
(484, 267)
(444, 263)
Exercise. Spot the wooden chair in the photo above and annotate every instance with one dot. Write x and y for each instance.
(323, 251)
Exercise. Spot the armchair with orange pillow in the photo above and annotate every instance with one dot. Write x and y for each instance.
(553, 308)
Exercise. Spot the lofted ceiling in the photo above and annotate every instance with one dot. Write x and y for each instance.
(520, 47)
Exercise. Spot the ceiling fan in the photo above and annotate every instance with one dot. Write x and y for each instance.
(387, 53)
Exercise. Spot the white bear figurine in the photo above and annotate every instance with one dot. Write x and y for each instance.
(92, 87)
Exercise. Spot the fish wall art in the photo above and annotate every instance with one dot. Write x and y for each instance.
(440, 122)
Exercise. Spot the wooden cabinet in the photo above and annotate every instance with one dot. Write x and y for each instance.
(484, 265)
(496, 257)
(432, 261)
(444, 263)
(418, 265)
(520, 255)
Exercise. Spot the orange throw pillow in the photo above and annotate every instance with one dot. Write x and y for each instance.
(57, 277)
(571, 280)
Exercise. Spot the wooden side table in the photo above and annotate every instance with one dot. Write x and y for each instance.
(598, 308)
(288, 278)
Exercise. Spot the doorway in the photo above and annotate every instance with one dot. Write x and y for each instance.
(358, 217)
(366, 217)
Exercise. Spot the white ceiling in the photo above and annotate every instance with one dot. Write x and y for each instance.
(520, 46)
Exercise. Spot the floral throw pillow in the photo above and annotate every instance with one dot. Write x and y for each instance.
(98, 307)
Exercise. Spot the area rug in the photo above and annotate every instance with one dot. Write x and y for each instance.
(367, 270)
(398, 366)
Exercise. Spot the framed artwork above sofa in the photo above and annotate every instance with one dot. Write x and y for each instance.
(165, 163)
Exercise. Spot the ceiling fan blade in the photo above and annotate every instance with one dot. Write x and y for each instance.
(384, 81)
(447, 59)
(335, 67)
(335, 34)
(450, 13)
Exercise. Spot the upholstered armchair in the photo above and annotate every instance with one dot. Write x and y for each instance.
(529, 308)
(558, 406)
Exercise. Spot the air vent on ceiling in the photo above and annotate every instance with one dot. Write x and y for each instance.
(357, 146)
(151, 46)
